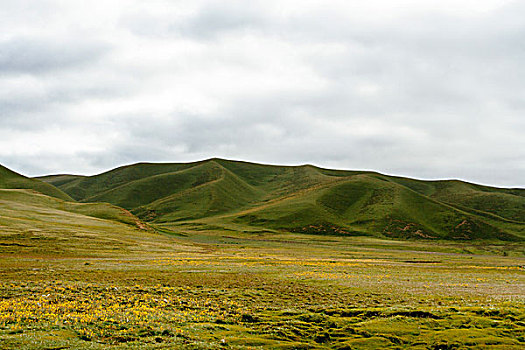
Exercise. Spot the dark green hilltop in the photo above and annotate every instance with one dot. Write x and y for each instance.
(248, 197)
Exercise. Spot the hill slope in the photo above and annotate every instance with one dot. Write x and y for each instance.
(248, 196)
(11, 180)
(34, 224)
(38, 219)
(16, 188)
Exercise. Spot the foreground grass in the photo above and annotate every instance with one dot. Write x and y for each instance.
(266, 291)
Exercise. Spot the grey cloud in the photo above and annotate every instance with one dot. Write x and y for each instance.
(223, 18)
(34, 111)
(210, 21)
(428, 96)
(33, 56)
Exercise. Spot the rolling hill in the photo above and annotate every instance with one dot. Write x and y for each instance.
(11, 180)
(17, 188)
(37, 219)
(36, 225)
(233, 195)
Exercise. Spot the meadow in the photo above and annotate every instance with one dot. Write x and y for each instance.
(206, 289)
(247, 256)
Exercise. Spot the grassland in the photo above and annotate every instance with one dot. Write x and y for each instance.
(32, 224)
(73, 281)
(12, 180)
(304, 199)
(94, 276)
(218, 290)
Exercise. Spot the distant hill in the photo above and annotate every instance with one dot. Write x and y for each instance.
(26, 192)
(11, 180)
(247, 196)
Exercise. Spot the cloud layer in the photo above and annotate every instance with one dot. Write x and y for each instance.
(427, 89)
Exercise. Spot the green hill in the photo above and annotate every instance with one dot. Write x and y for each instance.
(38, 219)
(11, 180)
(16, 188)
(252, 197)
(33, 224)
(59, 180)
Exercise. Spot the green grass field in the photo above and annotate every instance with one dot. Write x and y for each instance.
(94, 276)
(218, 290)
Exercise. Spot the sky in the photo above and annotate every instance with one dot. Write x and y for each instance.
(425, 89)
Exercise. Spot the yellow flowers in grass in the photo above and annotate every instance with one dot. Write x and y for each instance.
(103, 311)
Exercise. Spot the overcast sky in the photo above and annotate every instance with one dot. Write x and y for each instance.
(426, 89)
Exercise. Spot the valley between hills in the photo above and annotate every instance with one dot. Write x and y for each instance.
(227, 254)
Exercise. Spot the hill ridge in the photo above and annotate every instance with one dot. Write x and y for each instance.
(250, 196)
